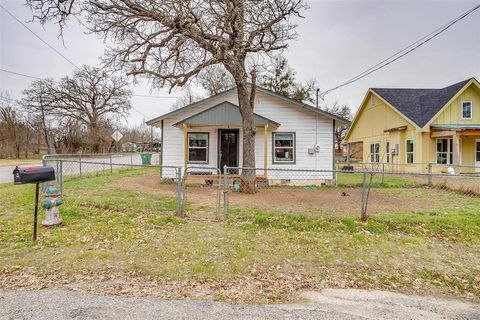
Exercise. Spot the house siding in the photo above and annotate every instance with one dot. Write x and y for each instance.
(452, 113)
(373, 119)
(292, 118)
(369, 128)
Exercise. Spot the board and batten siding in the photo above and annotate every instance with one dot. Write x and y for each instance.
(292, 118)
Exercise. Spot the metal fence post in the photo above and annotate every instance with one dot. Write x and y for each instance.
(363, 213)
(225, 191)
(111, 166)
(429, 174)
(383, 172)
(60, 178)
(179, 192)
(80, 166)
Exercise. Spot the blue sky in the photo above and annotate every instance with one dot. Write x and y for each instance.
(337, 40)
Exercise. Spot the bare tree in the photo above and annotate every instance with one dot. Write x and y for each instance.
(215, 79)
(281, 78)
(187, 97)
(39, 100)
(344, 111)
(90, 96)
(11, 127)
(171, 41)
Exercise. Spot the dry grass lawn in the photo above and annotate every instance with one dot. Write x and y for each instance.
(120, 237)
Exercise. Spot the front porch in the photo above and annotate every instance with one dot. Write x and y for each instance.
(457, 146)
(213, 138)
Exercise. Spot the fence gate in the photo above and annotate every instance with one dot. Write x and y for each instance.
(202, 193)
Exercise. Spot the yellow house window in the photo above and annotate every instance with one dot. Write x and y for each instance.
(375, 152)
(387, 151)
(409, 151)
(444, 151)
(467, 110)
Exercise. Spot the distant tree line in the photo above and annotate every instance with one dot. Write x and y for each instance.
(77, 113)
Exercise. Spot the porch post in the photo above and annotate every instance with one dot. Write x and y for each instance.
(456, 149)
(185, 146)
(265, 150)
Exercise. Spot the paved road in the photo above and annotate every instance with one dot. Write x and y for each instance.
(329, 305)
(71, 168)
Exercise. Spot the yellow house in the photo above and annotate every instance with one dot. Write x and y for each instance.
(410, 128)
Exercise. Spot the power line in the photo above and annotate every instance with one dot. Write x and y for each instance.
(134, 95)
(160, 97)
(399, 54)
(63, 56)
(37, 36)
(20, 74)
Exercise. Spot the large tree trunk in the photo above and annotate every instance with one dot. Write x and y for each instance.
(246, 109)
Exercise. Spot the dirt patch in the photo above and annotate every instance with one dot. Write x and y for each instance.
(295, 199)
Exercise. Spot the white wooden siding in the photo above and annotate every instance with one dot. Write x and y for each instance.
(292, 118)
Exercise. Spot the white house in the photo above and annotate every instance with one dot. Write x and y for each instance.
(290, 135)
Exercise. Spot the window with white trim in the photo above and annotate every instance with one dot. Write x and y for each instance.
(283, 147)
(409, 151)
(444, 151)
(467, 110)
(375, 152)
(197, 147)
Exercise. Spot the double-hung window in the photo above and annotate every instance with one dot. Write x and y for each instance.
(409, 151)
(467, 110)
(444, 151)
(197, 147)
(283, 147)
(375, 152)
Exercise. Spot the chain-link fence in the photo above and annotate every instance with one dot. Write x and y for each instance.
(408, 167)
(208, 193)
(349, 192)
(123, 173)
(203, 193)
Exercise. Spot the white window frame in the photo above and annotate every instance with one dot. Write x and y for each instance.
(471, 110)
(449, 152)
(374, 155)
(373, 100)
(409, 152)
(207, 147)
(294, 148)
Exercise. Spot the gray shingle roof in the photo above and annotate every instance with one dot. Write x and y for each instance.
(260, 89)
(420, 105)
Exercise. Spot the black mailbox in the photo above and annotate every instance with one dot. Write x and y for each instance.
(33, 175)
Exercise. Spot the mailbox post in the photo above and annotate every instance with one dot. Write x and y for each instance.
(34, 175)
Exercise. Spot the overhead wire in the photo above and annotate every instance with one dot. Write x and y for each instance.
(403, 52)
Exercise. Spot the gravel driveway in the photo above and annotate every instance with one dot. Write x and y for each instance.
(329, 304)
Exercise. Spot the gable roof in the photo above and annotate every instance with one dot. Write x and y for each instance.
(260, 89)
(420, 105)
(224, 113)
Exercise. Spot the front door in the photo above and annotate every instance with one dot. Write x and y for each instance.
(477, 155)
(227, 148)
